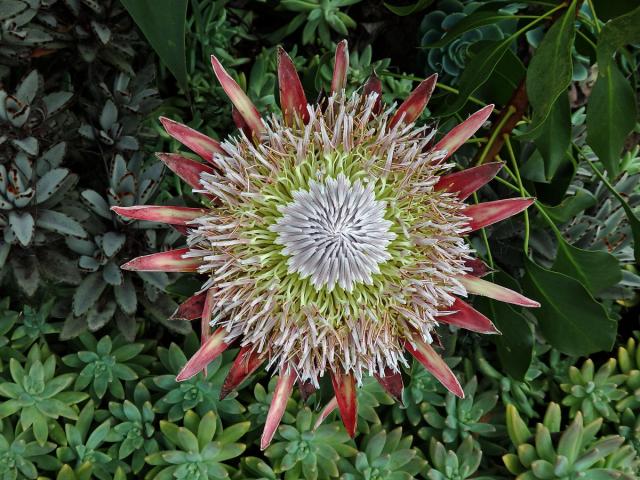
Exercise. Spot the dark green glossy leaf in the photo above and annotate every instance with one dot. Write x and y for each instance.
(596, 270)
(569, 317)
(555, 136)
(163, 22)
(550, 70)
(571, 206)
(616, 34)
(611, 115)
(477, 71)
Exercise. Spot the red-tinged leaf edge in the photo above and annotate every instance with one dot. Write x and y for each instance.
(190, 309)
(239, 98)
(245, 363)
(281, 395)
(453, 140)
(197, 142)
(478, 286)
(415, 103)
(484, 214)
(293, 101)
(206, 354)
(427, 356)
(169, 261)
(392, 382)
(326, 411)
(477, 266)
(344, 386)
(465, 182)
(187, 169)
(467, 317)
(160, 213)
(340, 67)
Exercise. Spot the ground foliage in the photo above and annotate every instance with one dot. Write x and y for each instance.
(87, 355)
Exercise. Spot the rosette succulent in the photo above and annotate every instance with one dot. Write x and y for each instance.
(332, 238)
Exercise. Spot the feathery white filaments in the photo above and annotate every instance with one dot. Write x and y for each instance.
(334, 233)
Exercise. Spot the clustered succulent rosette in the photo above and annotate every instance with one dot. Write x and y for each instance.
(332, 239)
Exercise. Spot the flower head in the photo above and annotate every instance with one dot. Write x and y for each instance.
(332, 239)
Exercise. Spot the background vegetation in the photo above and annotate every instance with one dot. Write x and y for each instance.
(87, 355)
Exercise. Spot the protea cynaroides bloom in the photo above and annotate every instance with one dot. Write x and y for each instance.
(333, 238)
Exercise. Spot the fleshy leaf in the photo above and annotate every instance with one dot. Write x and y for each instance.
(487, 213)
(293, 101)
(482, 287)
(169, 261)
(245, 363)
(187, 169)
(467, 317)
(206, 354)
(427, 356)
(239, 99)
(278, 405)
(191, 308)
(392, 382)
(340, 67)
(465, 182)
(453, 140)
(195, 141)
(344, 386)
(160, 213)
(414, 105)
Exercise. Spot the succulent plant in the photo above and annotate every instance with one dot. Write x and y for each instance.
(629, 365)
(592, 393)
(578, 452)
(458, 465)
(106, 292)
(198, 449)
(21, 456)
(319, 17)
(37, 394)
(383, 455)
(462, 417)
(8, 319)
(84, 443)
(133, 430)
(27, 29)
(525, 395)
(35, 325)
(301, 297)
(200, 393)
(302, 451)
(106, 364)
(449, 60)
(255, 468)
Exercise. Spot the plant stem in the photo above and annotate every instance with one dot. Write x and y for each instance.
(512, 156)
(510, 111)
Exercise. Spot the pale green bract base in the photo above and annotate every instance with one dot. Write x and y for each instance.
(254, 294)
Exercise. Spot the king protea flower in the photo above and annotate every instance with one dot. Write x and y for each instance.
(332, 238)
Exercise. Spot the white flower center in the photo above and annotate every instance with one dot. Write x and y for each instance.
(334, 233)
